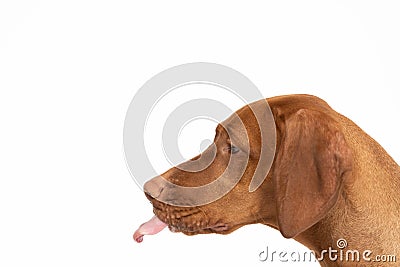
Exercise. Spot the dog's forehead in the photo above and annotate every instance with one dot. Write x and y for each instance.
(250, 113)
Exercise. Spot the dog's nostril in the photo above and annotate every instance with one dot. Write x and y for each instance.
(154, 187)
(149, 197)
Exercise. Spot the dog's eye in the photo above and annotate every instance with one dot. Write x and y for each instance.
(233, 149)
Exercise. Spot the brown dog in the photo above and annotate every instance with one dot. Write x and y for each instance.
(329, 180)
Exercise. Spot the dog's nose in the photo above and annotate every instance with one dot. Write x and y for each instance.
(154, 187)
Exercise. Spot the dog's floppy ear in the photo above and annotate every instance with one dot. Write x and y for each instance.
(311, 163)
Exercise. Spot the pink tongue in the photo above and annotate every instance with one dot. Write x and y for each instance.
(152, 227)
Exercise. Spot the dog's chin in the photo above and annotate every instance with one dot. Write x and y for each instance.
(212, 230)
(219, 228)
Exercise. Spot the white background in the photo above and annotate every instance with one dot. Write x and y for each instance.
(69, 69)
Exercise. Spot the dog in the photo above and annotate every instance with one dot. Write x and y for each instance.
(328, 180)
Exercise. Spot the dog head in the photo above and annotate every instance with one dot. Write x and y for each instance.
(310, 162)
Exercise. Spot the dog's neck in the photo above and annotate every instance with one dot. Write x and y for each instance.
(367, 213)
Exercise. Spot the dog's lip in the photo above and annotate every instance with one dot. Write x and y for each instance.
(169, 219)
(219, 227)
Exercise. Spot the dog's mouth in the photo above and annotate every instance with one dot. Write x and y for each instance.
(189, 221)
